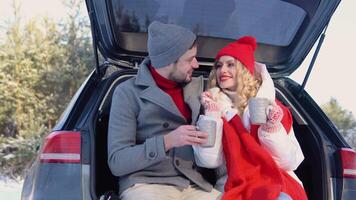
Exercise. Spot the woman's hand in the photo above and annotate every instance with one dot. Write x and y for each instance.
(220, 106)
(274, 118)
(210, 106)
(275, 114)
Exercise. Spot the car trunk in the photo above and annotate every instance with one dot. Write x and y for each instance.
(284, 38)
(313, 172)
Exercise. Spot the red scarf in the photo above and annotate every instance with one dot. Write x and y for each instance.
(175, 91)
(252, 172)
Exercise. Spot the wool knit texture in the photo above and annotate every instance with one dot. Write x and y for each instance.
(175, 91)
(167, 42)
(242, 50)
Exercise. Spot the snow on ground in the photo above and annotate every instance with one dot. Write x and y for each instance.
(10, 189)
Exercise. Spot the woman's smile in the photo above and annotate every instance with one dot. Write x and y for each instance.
(225, 77)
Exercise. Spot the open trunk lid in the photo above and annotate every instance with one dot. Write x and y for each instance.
(285, 30)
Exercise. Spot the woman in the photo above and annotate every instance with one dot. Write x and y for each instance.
(259, 159)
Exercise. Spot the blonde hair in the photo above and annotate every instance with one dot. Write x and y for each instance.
(247, 85)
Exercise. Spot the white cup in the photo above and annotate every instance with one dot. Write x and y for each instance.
(207, 125)
(259, 109)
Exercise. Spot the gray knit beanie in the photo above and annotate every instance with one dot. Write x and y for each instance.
(167, 42)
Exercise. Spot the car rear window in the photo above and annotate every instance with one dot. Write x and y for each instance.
(272, 22)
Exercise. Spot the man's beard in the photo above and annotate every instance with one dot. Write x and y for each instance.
(175, 76)
(181, 80)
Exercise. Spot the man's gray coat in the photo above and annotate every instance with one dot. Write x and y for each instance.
(141, 113)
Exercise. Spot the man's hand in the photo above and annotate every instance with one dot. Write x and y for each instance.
(184, 135)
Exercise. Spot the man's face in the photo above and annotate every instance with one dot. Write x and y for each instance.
(182, 70)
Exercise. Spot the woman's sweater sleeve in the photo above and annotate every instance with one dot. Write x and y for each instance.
(211, 157)
(284, 148)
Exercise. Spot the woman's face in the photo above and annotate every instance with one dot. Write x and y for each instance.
(226, 73)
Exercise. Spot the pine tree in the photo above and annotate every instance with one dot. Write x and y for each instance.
(343, 119)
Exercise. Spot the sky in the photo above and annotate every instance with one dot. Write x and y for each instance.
(333, 75)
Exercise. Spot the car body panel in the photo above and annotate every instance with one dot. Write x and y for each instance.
(349, 188)
(50, 181)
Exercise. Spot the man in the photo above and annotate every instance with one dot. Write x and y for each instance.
(149, 139)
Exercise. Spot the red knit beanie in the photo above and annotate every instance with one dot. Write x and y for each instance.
(243, 50)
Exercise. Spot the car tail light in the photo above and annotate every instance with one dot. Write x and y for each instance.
(61, 147)
(348, 158)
